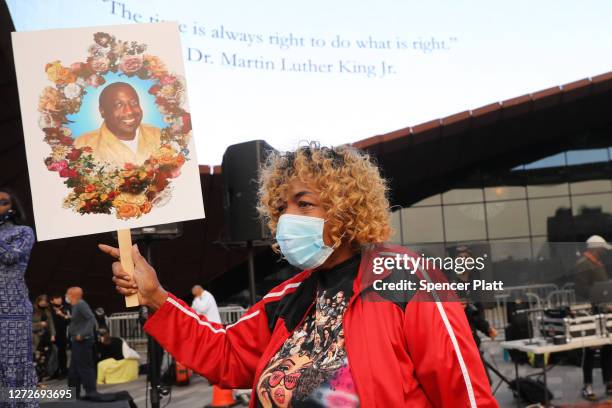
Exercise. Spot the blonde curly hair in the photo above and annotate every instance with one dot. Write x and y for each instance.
(352, 191)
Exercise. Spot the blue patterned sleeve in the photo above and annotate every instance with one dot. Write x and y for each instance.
(14, 247)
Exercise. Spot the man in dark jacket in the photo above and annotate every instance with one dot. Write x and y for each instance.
(82, 369)
(589, 270)
(61, 319)
(474, 311)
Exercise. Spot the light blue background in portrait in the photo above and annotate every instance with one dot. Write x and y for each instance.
(88, 118)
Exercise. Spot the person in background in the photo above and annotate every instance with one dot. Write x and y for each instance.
(43, 331)
(61, 319)
(117, 362)
(16, 356)
(81, 332)
(204, 303)
(101, 318)
(590, 269)
(474, 311)
(108, 346)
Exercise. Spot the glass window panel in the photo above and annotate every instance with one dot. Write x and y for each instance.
(507, 219)
(547, 190)
(591, 186)
(422, 224)
(542, 209)
(557, 160)
(462, 195)
(428, 249)
(575, 157)
(396, 238)
(504, 193)
(541, 249)
(510, 249)
(592, 201)
(433, 200)
(464, 222)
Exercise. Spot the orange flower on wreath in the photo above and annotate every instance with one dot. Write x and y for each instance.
(166, 156)
(146, 207)
(59, 74)
(130, 205)
(128, 210)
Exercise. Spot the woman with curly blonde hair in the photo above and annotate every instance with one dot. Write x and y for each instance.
(320, 338)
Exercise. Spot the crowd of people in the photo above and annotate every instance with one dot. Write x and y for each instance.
(62, 323)
(59, 323)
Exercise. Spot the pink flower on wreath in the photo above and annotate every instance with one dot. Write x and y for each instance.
(167, 80)
(100, 64)
(58, 166)
(131, 63)
(95, 80)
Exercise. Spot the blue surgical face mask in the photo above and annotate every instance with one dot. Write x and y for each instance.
(301, 240)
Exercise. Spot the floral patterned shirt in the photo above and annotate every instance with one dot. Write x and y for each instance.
(311, 369)
(16, 365)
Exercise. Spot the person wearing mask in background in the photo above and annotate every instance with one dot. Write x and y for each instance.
(81, 330)
(100, 318)
(43, 330)
(16, 354)
(589, 270)
(61, 318)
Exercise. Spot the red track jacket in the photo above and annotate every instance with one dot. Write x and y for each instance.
(415, 353)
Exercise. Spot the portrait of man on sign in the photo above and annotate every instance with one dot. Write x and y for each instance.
(122, 138)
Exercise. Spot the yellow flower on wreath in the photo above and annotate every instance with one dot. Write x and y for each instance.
(155, 65)
(59, 74)
(50, 100)
(165, 155)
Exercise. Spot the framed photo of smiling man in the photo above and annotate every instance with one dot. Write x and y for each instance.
(107, 128)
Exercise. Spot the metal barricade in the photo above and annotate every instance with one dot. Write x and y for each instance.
(231, 314)
(127, 326)
(561, 298)
(536, 294)
(496, 316)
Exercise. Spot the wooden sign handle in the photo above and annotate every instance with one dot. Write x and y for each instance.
(125, 255)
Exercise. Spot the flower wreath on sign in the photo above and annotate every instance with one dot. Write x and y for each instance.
(97, 187)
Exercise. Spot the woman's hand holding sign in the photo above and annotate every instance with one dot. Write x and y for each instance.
(144, 282)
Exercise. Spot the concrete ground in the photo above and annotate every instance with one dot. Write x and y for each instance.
(564, 381)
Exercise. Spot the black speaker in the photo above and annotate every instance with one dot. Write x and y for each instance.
(240, 167)
(156, 232)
